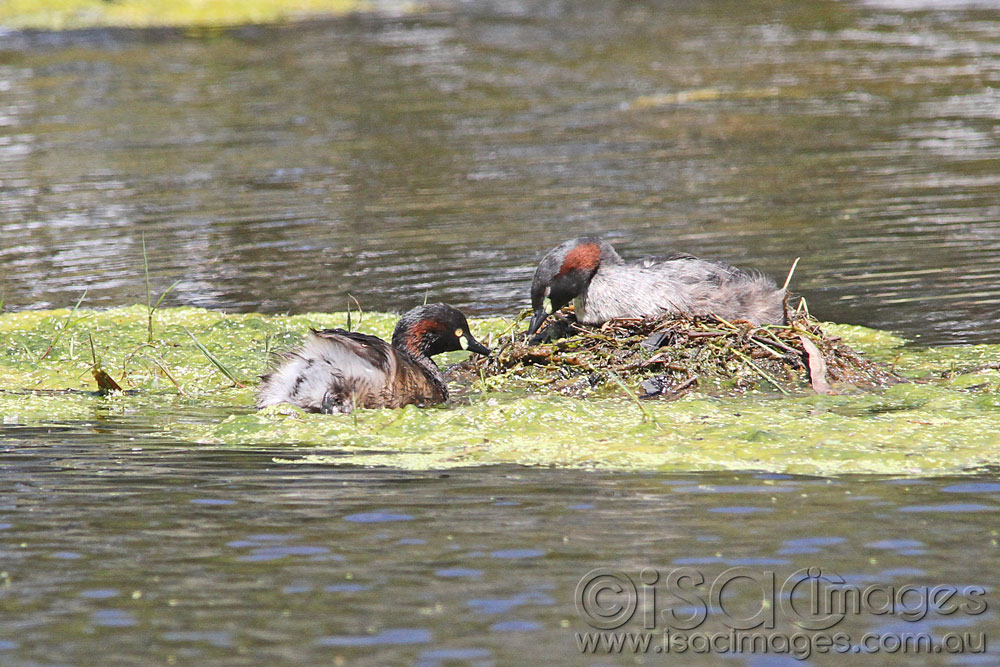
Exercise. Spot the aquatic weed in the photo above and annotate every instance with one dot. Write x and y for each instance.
(61, 330)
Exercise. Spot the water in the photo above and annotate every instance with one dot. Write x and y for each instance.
(281, 169)
(192, 554)
(393, 157)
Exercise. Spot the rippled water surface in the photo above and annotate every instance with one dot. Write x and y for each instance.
(393, 157)
(120, 545)
(441, 154)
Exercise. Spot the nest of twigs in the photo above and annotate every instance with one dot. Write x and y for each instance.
(669, 357)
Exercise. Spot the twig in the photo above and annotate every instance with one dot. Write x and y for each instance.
(150, 308)
(727, 323)
(784, 288)
(765, 348)
(791, 272)
(704, 334)
(778, 342)
(684, 385)
(802, 307)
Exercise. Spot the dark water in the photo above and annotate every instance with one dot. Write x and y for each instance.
(136, 550)
(280, 169)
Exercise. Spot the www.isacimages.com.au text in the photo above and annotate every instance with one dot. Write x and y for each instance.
(800, 645)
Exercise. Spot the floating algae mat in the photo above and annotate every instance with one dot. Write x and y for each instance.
(944, 419)
(73, 14)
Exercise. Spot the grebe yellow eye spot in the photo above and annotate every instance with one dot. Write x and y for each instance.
(459, 333)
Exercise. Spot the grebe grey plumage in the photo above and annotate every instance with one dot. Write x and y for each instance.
(337, 370)
(605, 287)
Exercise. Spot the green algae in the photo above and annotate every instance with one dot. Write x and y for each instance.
(946, 422)
(72, 14)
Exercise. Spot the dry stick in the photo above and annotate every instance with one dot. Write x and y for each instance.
(539, 381)
(727, 323)
(482, 380)
(400, 414)
(684, 385)
(508, 330)
(65, 326)
(791, 272)
(211, 357)
(765, 348)
(815, 336)
(778, 342)
(784, 288)
(803, 306)
(704, 334)
(93, 356)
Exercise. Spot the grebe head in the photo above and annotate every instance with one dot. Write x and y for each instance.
(433, 329)
(562, 275)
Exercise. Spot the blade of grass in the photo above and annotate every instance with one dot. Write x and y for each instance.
(62, 330)
(631, 394)
(215, 362)
(129, 357)
(145, 266)
(761, 371)
(361, 313)
(158, 302)
(163, 367)
(105, 383)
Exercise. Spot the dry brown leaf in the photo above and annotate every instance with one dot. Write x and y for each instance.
(817, 367)
(105, 382)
